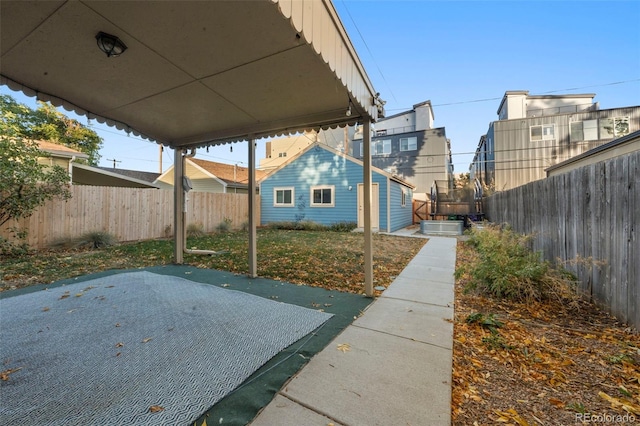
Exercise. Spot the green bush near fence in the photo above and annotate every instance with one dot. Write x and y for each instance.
(505, 266)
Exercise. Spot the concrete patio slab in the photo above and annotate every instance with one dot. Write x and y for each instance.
(436, 261)
(396, 369)
(381, 380)
(441, 295)
(284, 412)
(416, 321)
(425, 274)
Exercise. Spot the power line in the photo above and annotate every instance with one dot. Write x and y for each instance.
(597, 85)
(614, 83)
(368, 50)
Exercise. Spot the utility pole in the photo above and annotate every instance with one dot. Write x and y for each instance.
(114, 161)
(160, 157)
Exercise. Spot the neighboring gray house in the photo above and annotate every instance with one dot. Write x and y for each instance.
(323, 185)
(534, 133)
(407, 145)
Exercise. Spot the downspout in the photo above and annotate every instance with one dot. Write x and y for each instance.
(184, 215)
(73, 158)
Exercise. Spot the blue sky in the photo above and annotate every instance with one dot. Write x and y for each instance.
(463, 56)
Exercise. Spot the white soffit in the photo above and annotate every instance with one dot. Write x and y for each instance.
(195, 72)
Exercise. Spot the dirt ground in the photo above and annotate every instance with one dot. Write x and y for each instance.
(541, 364)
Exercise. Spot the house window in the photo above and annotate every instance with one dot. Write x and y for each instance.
(614, 127)
(583, 131)
(408, 144)
(403, 201)
(381, 147)
(543, 132)
(322, 196)
(283, 197)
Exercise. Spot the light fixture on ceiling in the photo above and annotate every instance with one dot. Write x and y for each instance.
(348, 113)
(110, 44)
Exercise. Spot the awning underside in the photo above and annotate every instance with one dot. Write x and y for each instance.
(194, 73)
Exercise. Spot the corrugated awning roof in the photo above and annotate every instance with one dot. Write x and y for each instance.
(195, 73)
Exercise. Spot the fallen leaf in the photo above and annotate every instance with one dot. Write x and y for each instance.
(344, 347)
(155, 409)
(511, 414)
(556, 402)
(224, 285)
(615, 402)
(147, 339)
(4, 375)
(45, 309)
(79, 294)
(119, 345)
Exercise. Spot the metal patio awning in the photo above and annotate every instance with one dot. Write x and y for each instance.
(195, 73)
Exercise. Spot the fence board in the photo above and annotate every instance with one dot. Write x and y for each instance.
(129, 214)
(590, 213)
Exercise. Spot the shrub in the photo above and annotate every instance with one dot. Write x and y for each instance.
(343, 226)
(303, 225)
(99, 239)
(195, 230)
(506, 267)
(19, 247)
(224, 226)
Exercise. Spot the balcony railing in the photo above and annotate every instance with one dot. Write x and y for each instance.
(394, 131)
(565, 109)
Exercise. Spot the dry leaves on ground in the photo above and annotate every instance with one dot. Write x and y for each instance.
(546, 364)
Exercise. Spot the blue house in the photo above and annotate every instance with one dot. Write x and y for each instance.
(322, 185)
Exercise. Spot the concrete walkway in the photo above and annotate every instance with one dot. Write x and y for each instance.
(392, 366)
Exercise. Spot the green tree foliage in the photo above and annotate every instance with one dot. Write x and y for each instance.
(47, 123)
(25, 183)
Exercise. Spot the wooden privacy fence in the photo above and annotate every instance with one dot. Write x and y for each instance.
(129, 214)
(587, 218)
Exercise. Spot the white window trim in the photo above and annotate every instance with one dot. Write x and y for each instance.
(284, 188)
(403, 200)
(333, 196)
(543, 137)
(383, 143)
(386, 143)
(412, 138)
